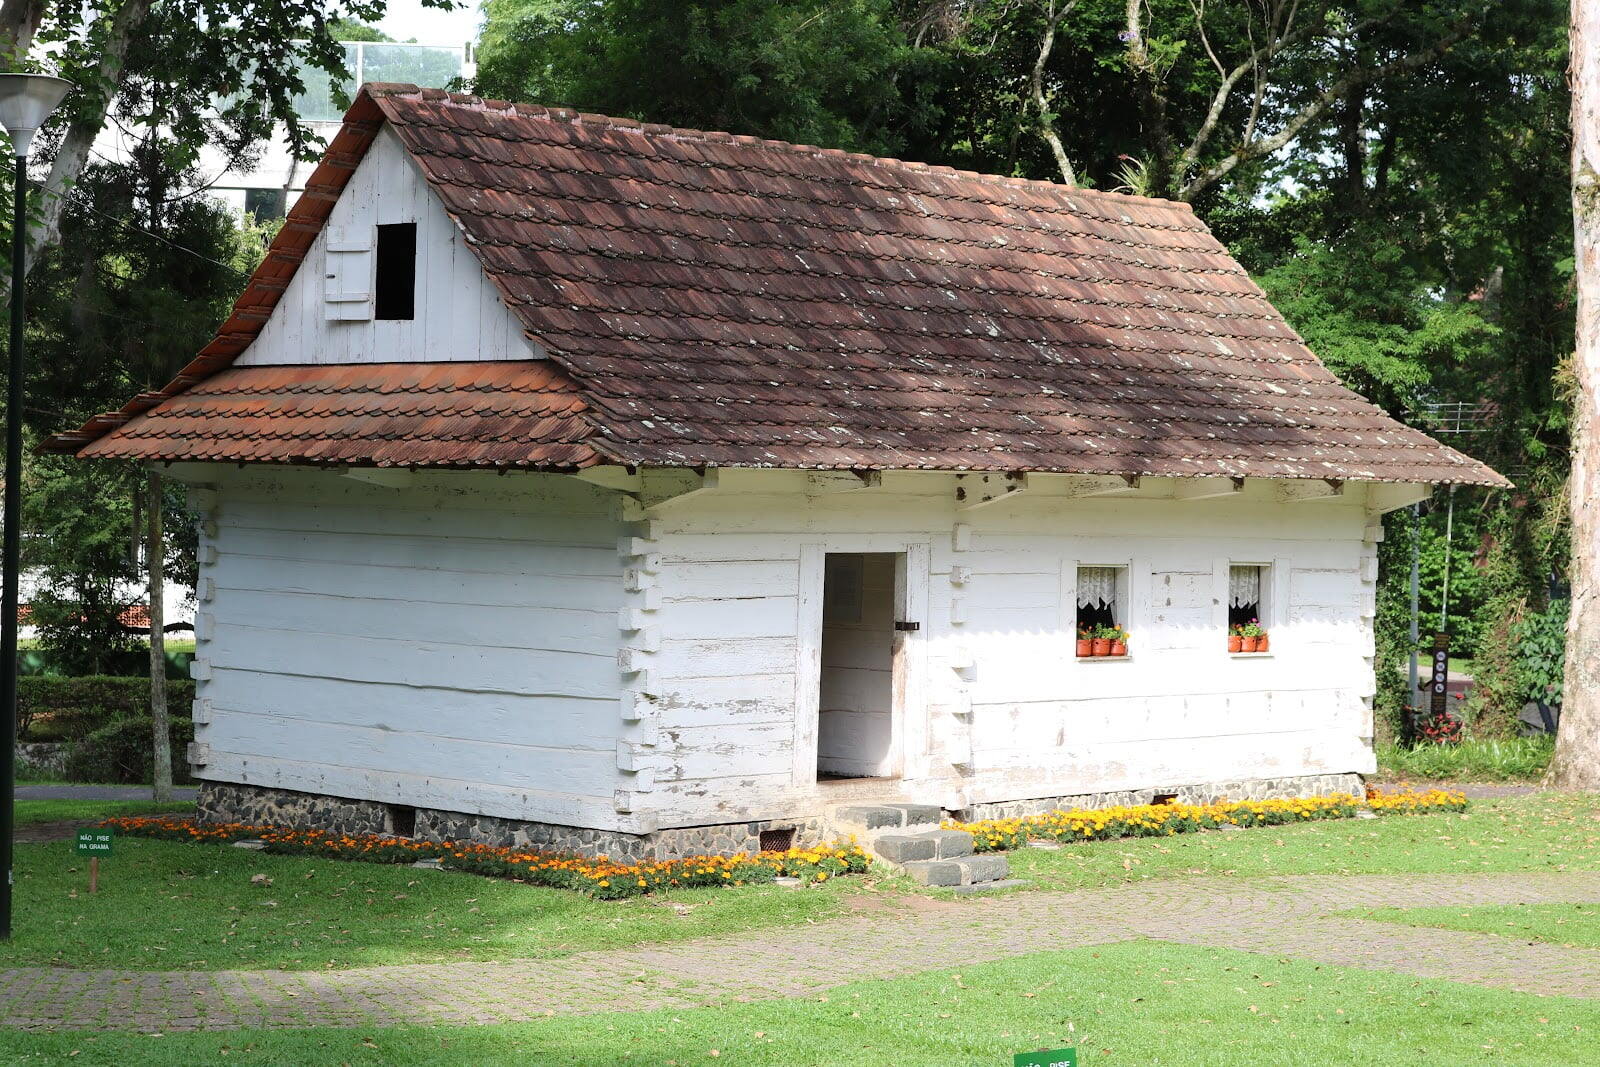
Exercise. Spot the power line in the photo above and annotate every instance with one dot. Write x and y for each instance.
(125, 224)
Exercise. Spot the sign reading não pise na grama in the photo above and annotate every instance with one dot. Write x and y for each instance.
(95, 841)
(1061, 1057)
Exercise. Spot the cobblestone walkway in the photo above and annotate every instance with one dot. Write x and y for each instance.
(1282, 916)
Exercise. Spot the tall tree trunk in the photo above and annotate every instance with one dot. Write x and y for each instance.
(160, 723)
(88, 120)
(1577, 759)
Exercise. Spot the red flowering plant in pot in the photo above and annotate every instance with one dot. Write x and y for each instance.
(1086, 640)
(1255, 638)
(1236, 637)
(1102, 640)
(1119, 640)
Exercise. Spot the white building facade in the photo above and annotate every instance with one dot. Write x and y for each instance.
(533, 514)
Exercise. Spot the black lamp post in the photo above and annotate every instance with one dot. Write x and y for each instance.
(26, 100)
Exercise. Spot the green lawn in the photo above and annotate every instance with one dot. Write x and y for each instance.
(1544, 832)
(166, 905)
(1575, 925)
(88, 811)
(1135, 1003)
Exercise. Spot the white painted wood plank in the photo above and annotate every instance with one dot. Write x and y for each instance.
(545, 720)
(458, 314)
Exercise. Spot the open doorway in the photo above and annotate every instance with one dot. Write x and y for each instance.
(861, 597)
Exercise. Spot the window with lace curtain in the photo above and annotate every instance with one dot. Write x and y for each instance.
(1247, 594)
(1102, 593)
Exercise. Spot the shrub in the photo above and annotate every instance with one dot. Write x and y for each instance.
(1541, 645)
(121, 752)
(66, 709)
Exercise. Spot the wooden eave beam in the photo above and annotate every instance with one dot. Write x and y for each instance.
(824, 482)
(1311, 490)
(1102, 485)
(980, 490)
(1384, 496)
(1207, 488)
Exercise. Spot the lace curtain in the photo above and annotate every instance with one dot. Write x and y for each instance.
(1244, 586)
(1097, 587)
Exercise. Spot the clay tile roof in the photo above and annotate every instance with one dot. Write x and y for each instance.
(487, 414)
(721, 300)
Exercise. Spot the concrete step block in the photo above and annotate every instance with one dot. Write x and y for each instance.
(870, 816)
(906, 848)
(990, 867)
(949, 844)
(935, 872)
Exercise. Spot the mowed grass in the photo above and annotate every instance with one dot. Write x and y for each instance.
(1133, 1003)
(30, 812)
(1543, 832)
(1519, 759)
(168, 905)
(1573, 925)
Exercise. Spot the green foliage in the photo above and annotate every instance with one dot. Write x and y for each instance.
(1540, 647)
(81, 548)
(1391, 628)
(1371, 317)
(68, 709)
(813, 71)
(1472, 760)
(120, 751)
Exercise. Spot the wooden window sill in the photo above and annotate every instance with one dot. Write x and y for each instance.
(1250, 655)
(1103, 659)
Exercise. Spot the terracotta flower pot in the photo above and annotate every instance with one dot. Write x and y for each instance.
(1119, 648)
(1261, 643)
(1102, 646)
(1085, 647)
(1251, 644)
(1235, 643)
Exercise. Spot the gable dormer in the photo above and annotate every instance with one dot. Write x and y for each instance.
(389, 279)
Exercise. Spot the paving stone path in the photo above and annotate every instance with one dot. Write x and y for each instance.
(1292, 916)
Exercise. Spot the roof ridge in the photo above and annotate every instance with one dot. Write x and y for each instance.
(572, 115)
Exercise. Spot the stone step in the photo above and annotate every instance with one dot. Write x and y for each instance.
(868, 822)
(929, 845)
(968, 870)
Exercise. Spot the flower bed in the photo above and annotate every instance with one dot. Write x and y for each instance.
(1161, 820)
(599, 877)
(1405, 801)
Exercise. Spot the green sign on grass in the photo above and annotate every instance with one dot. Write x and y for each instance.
(1061, 1057)
(95, 841)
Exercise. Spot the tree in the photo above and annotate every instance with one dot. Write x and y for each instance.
(1577, 758)
(820, 72)
(155, 564)
(219, 68)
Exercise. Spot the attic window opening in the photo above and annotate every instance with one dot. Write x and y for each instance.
(396, 283)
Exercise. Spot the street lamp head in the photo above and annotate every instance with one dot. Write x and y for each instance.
(26, 100)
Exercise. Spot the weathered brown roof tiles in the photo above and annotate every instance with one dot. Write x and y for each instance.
(722, 300)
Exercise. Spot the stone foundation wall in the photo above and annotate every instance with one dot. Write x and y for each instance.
(226, 802)
(1206, 793)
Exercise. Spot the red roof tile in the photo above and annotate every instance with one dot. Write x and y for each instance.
(738, 302)
(489, 414)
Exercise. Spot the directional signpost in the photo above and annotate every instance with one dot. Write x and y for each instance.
(94, 842)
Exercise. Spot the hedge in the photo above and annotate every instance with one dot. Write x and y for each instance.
(66, 709)
(121, 753)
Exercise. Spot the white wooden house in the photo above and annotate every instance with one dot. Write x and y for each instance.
(571, 481)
